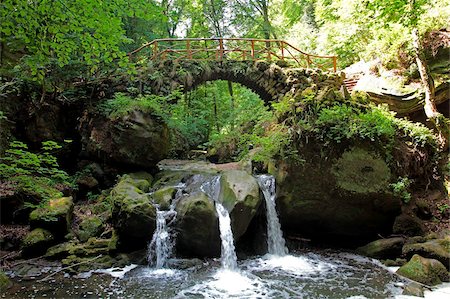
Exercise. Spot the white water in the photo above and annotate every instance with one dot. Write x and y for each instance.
(160, 248)
(275, 241)
(228, 253)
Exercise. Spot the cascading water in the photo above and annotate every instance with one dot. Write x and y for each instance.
(228, 253)
(160, 248)
(275, 241)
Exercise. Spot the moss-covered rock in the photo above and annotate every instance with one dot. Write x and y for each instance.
(438, 249)
(5, 283)
(197, 226)
(36, 242)
(423, 270)
(340, 194)
(163, 197)
(83, 264)
(239, 194)
(133, 212)
(383, 248)
(90, 227)
(55, 216)
(413, 289)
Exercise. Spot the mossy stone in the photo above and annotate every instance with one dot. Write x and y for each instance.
(163, 197)
(90, 227)
(423, 270)
(36, 242)
(55, 216)
(141, 180)
(360, 171)
(438, 249)
(383, 248)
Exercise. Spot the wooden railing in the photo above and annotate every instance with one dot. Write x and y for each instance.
(220, 49)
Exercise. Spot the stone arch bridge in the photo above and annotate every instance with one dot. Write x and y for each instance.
(272, 69)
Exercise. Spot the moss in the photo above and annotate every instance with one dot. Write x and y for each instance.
(360, 171)
(163, 197)
(142, 180)
(36, 242)
(5, 283)
(423, 270)
(90, 227)
(53, 209)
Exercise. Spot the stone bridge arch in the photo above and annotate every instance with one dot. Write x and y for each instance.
(271, 81)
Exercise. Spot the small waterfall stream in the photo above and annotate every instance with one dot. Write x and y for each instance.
(228, 253)
(275, 241)
(160, 248)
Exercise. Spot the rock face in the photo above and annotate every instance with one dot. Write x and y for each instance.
(133, 212)
(239, 194)
(137, 138)
(408, 225)
(339, 195)
(55, 216)
(197, 226)
(383, 248)
(423, 270)
(438, 249)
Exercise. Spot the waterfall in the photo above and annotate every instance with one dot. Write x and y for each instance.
(160, 248)
(228, 253)
(275, 241)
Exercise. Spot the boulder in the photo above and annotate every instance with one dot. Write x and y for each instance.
(91, 226)
(197, 226)
(239, 194)
(408, 225)
(413, 289)
(163, 197)
(383, 248)
(438, 249)
(136, 138)
(36, 242)
(133, 212)
(55, 216)
(340, 195)
(423, 270)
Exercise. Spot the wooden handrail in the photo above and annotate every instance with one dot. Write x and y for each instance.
(259, 49)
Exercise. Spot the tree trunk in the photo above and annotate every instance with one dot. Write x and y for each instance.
(439, 121)
(230, 90)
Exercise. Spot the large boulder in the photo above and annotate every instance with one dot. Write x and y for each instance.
(197, 226)
(438, 249)
(383, 248)
(55, 216)
(36, 242)
(133, 212)
(136, 138)
(344, 194)
(239, 194)
(423, 270)
(408, 225)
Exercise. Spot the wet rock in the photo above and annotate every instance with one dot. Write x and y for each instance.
(408, 225)
(55, 216)
(90, 227)
(423, 270)
(341, 197)
(83, 264)
(413, 289)
(239, 194)
(383, 248)
(184, 264)
(136, 138)
(438, 249)
(92, 248)
(197, 226)
(36, 242)
(163, 197)
(133, 212)
(398, 262)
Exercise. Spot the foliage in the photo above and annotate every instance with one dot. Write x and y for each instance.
(400, 189)
(33, 173)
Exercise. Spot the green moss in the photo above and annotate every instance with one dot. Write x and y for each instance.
(362, 172)
(163, 197)
(5, 283)
(90, 227)
(53, 209)
(36, 236)
(426, 271)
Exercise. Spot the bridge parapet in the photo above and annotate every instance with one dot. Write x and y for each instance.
(236, 49)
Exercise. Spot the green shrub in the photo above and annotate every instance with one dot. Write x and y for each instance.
(34, 173)
(400, 189)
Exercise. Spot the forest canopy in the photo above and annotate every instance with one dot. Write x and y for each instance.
(49, 39)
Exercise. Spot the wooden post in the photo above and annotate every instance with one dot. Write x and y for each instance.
(282, 50)
(155, 50)
(188, 49)
(334, 63)
(220, 49)
(253, 50)
(269, 57)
